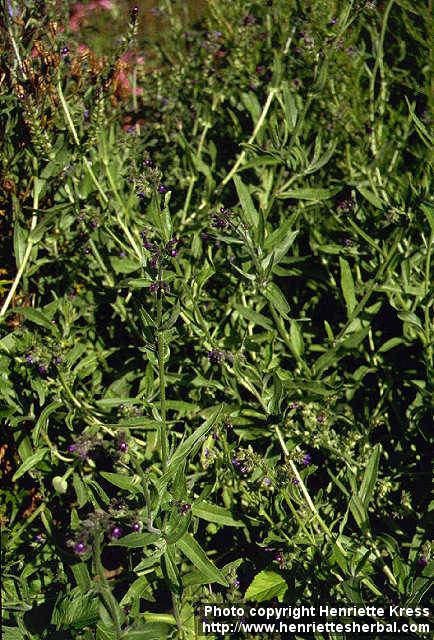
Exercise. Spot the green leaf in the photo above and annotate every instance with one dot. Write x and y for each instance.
(20, 241)
(36, 316)
(139, 283)
(251, 103)
(42, 421)
(279, 235)
(136, 540)
(29, 463)
(296, 339)
(123, 482)
(188, 447)
(266, 586)
(424, 134)
(277, 299)
(178, 525)
(76, 610)
(171, 571)
(153, 631)
(214, 513)
(369, 196)
(124, 265)
(136, 590)
(250, 216)
(280, 247)
(254, 316)
(12, 633)
(309, 194)
(82, 577)
(194, 552)
(370, 476)
(429, 212)
(347, 286)
(411, 318)
(360, 513)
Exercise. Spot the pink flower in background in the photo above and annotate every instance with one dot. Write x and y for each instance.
(81, 11)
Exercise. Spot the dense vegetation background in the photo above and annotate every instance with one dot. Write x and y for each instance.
(216, 316)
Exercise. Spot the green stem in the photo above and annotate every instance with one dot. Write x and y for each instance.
(24, 526)
(106, 594)
(315, 512)
(258, 126)
(28, 250)
(147, 496)
(363, 302)
(162, 379)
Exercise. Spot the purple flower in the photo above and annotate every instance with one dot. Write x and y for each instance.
(122, 446)
(116, 533)
(423, 561)
(173, 253)
(294, 405)
(320, 419)
(136, 527)
(219, 223)
(306, 460)
(280, 560)
(162, 189)
(29, 358)
(267, 482)
(236, 463)
(39, 537)
(249, 20)
(79, 548)
(184, 508)
(236, 584)
(72, 448)
(64, 51)
(216, 356)
(148, 163)
(42, 370)
(295, 481)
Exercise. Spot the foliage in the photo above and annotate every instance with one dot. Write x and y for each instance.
(216, 327)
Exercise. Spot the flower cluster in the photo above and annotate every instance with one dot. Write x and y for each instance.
(346, 205)
(245, 461)
(83, 445)
(222, 219)
(216, 356)
(99, 523)
(149, 181)
(159, 286)
(160, 255)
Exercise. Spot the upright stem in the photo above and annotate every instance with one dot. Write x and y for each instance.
(29, 247)
(162, 378)
(106, 594)
(259, 124)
